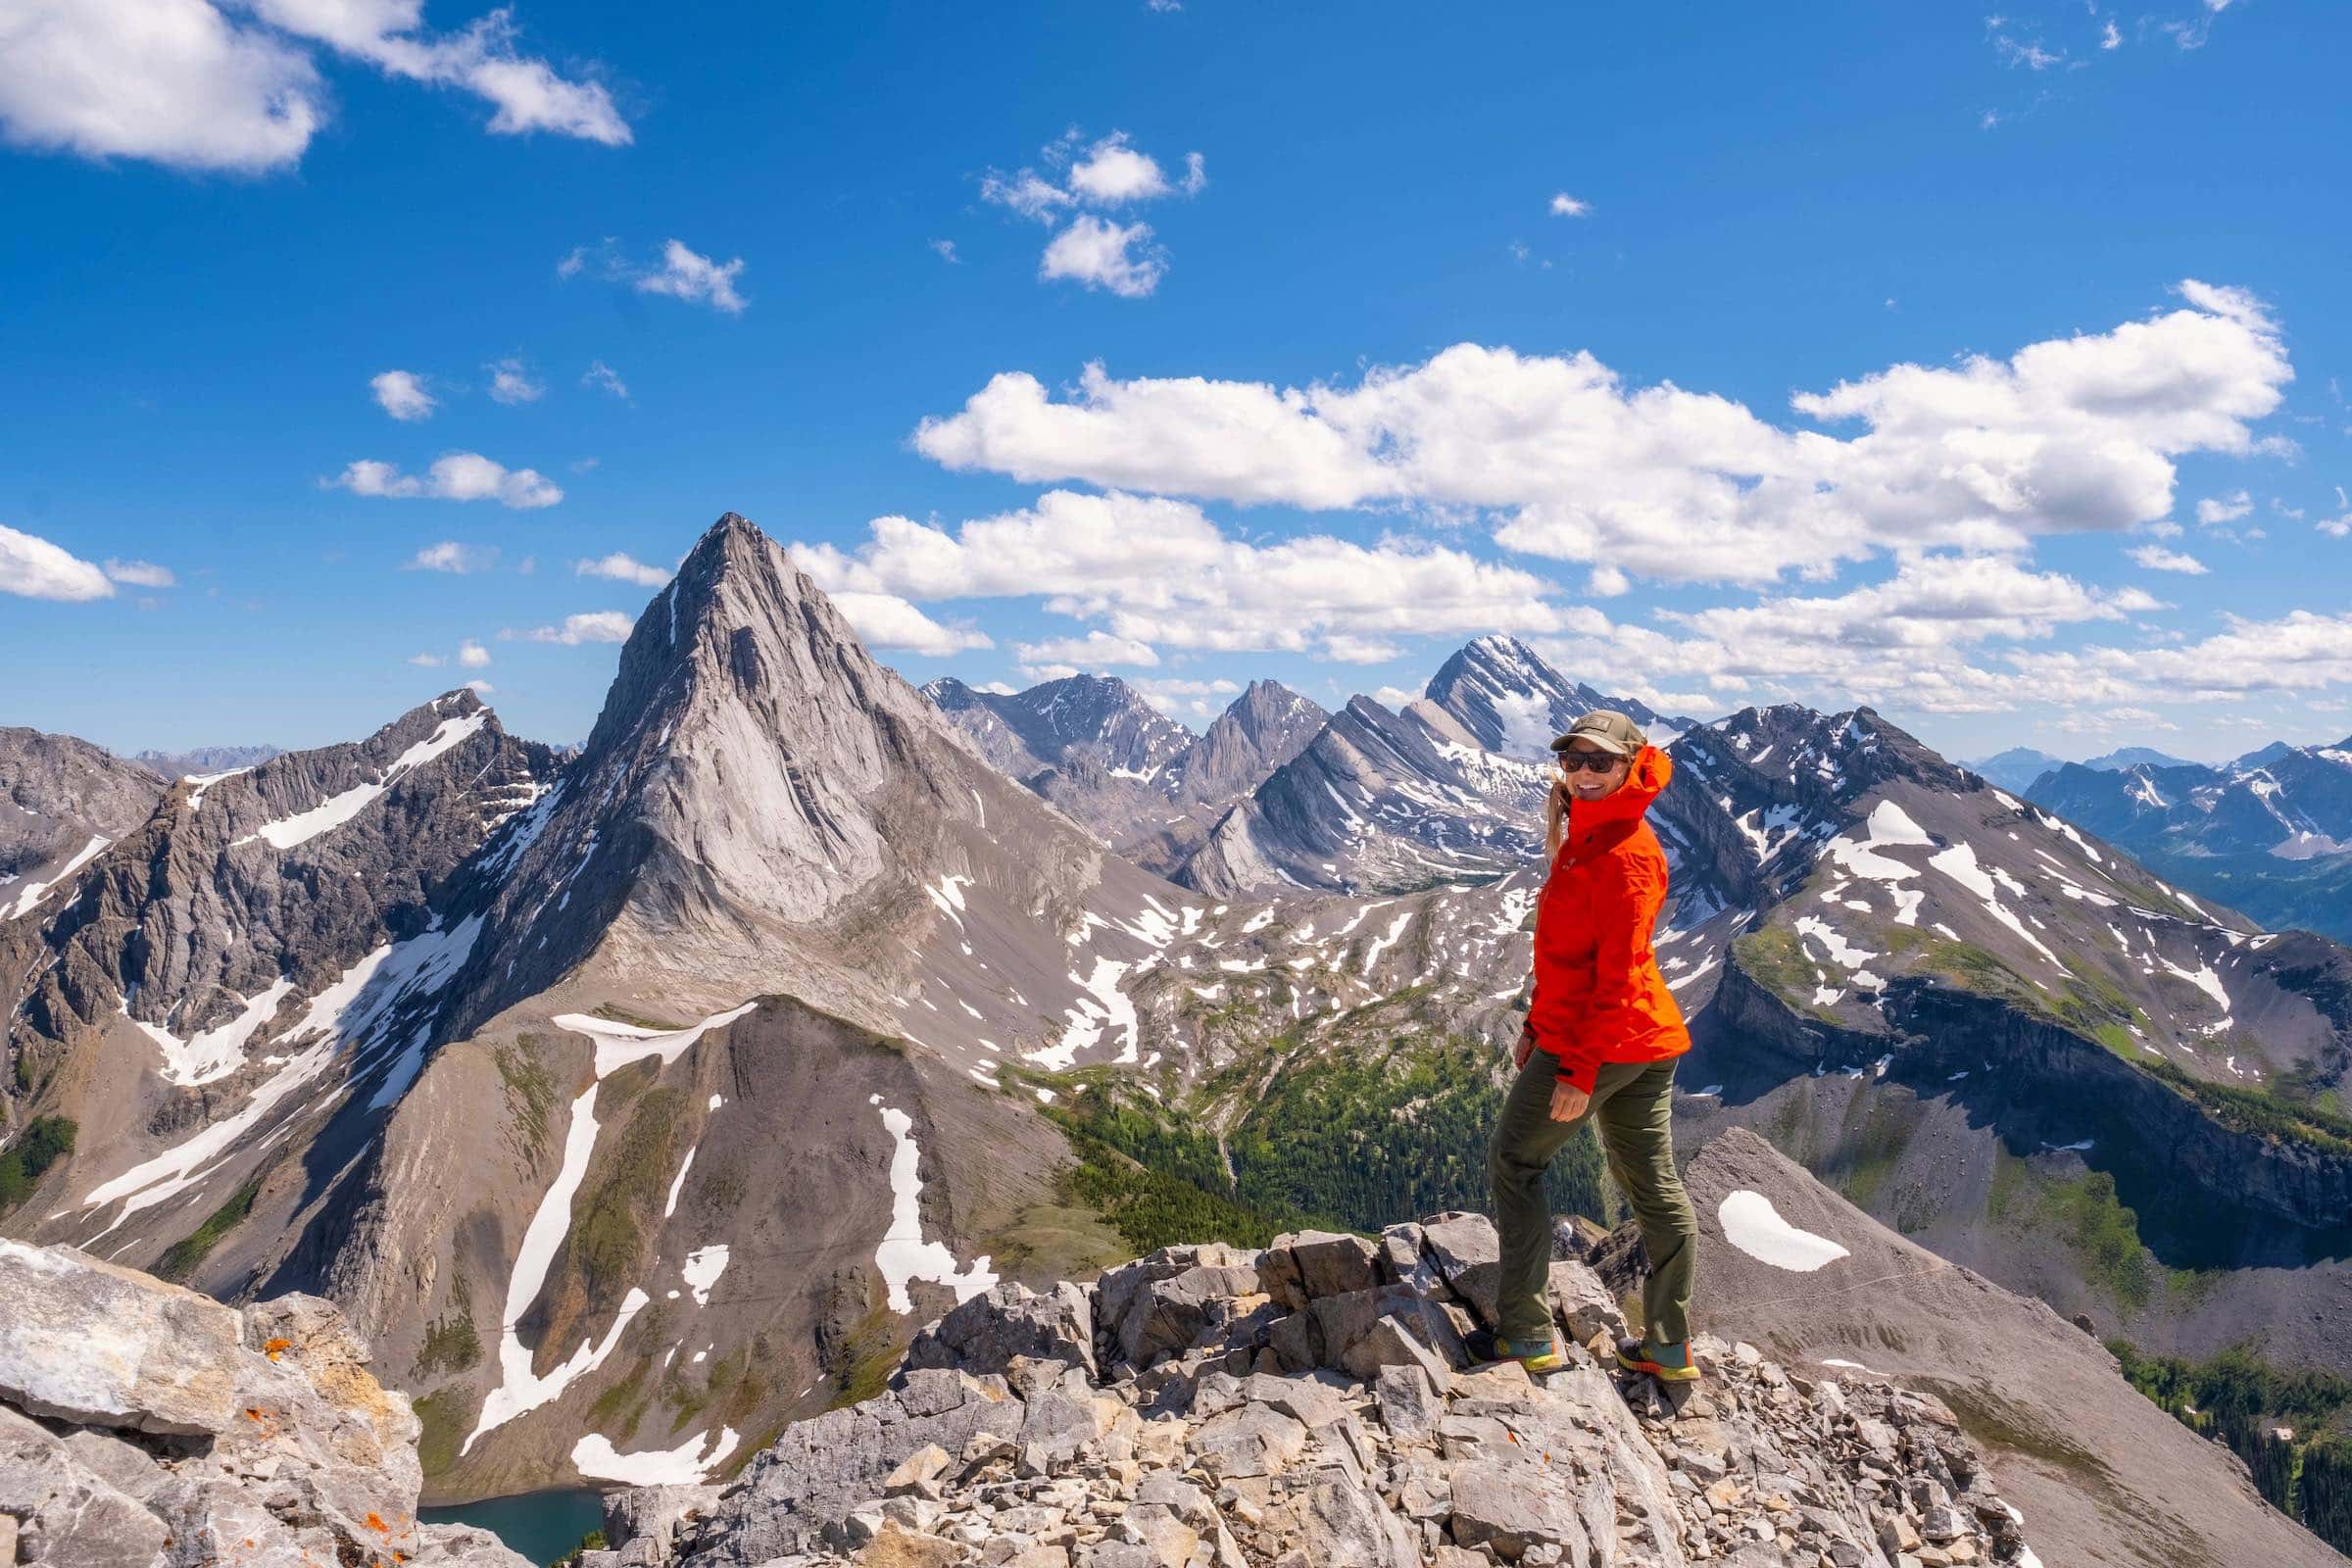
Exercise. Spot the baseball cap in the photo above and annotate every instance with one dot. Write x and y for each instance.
(1610, 732)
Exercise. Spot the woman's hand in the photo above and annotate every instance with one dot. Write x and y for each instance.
(1568, 1101)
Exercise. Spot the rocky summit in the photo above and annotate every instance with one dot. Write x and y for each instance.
(144, 1426)
(1310, 1403)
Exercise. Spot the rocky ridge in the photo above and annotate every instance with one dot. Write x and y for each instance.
(1207, 1407)
(144, 1426)
(62, 802)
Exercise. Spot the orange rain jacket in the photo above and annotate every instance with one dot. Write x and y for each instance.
(1598, 994)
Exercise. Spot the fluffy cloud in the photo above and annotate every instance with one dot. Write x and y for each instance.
(1100, 254)
(1112, 171)
(480, 688)
(2302, 651)
(1186, 699)
(594, 626)
(1096, 649)
(1160, 572)
(402, 394)
(190, 84)
(472, 655)
(683, 274)
(1564, 205)
(885, 621)
(2067, 435)
(2155, 558)
(2214, 510)
(173, 82)
(451, 557)
(140, 573)
(479, 57)
(511, 383)
(459, 476)
(427, 661)
(35, 569)
(1026, 192)
(1091, 249)
(1910, 642)
(622, 567)
(696, 279)
(605, 378)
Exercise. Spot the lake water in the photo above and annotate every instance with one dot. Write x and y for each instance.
(540, 1525)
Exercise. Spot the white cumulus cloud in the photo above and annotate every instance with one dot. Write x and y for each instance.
(511, 383)
(458, 477)
(1569, 461)
(35, 569)
(2155, 558)
(403, 394)
(1564, 205)
(1100, 254)
(885, 621)
(1159, 572)
(2216, 510)
(451, 557)
(591, 627)
(191, 84)
(1095, 649)
(622, 567)
(683, 273)
(472, 655)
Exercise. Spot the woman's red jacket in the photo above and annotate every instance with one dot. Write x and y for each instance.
(1598, 995)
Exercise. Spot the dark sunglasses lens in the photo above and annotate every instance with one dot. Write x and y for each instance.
(1588, 761)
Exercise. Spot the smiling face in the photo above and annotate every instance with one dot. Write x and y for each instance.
(1585, 782)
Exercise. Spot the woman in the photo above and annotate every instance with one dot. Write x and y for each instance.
(1601, 1037)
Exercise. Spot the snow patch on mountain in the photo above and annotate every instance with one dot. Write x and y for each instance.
(217, 1052)
(685, 1465)
(1751, 1224)
(337, 809)
(32, 893)
(903, 1255)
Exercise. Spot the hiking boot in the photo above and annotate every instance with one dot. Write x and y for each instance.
(1487, 1347)
(1668, 1363)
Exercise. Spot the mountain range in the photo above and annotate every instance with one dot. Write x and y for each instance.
(2270, 832)
(637, 1101)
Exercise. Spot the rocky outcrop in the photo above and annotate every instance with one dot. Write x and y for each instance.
(1312, 1404)
(62, 800)
(144, 1426)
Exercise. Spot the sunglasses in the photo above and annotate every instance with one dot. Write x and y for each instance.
(1588, 761)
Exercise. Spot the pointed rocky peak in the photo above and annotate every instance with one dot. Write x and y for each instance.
(1098, 714)
(1506, 694)
(1259, 731)
(1811, 754)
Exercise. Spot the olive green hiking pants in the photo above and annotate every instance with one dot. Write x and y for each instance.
(1633, 1104)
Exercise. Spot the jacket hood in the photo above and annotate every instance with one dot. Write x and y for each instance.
(1643, 782)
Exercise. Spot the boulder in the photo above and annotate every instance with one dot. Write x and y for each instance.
(1510, 1507)
(662, 1515)
(86, 1342)
(1009, 1320)
(1468, 1255)
(1329, 1263)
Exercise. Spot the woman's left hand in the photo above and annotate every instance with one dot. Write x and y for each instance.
(1568, 1101)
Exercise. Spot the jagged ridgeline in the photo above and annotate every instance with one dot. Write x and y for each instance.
(639, 1103)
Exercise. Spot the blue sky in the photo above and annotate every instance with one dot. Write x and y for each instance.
(1363, 393)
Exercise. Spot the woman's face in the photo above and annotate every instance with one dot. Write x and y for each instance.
(1583, 782)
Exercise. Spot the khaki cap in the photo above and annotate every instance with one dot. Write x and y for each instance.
(1610, 732)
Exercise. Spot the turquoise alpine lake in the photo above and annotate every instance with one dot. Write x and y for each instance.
(539, 1524)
